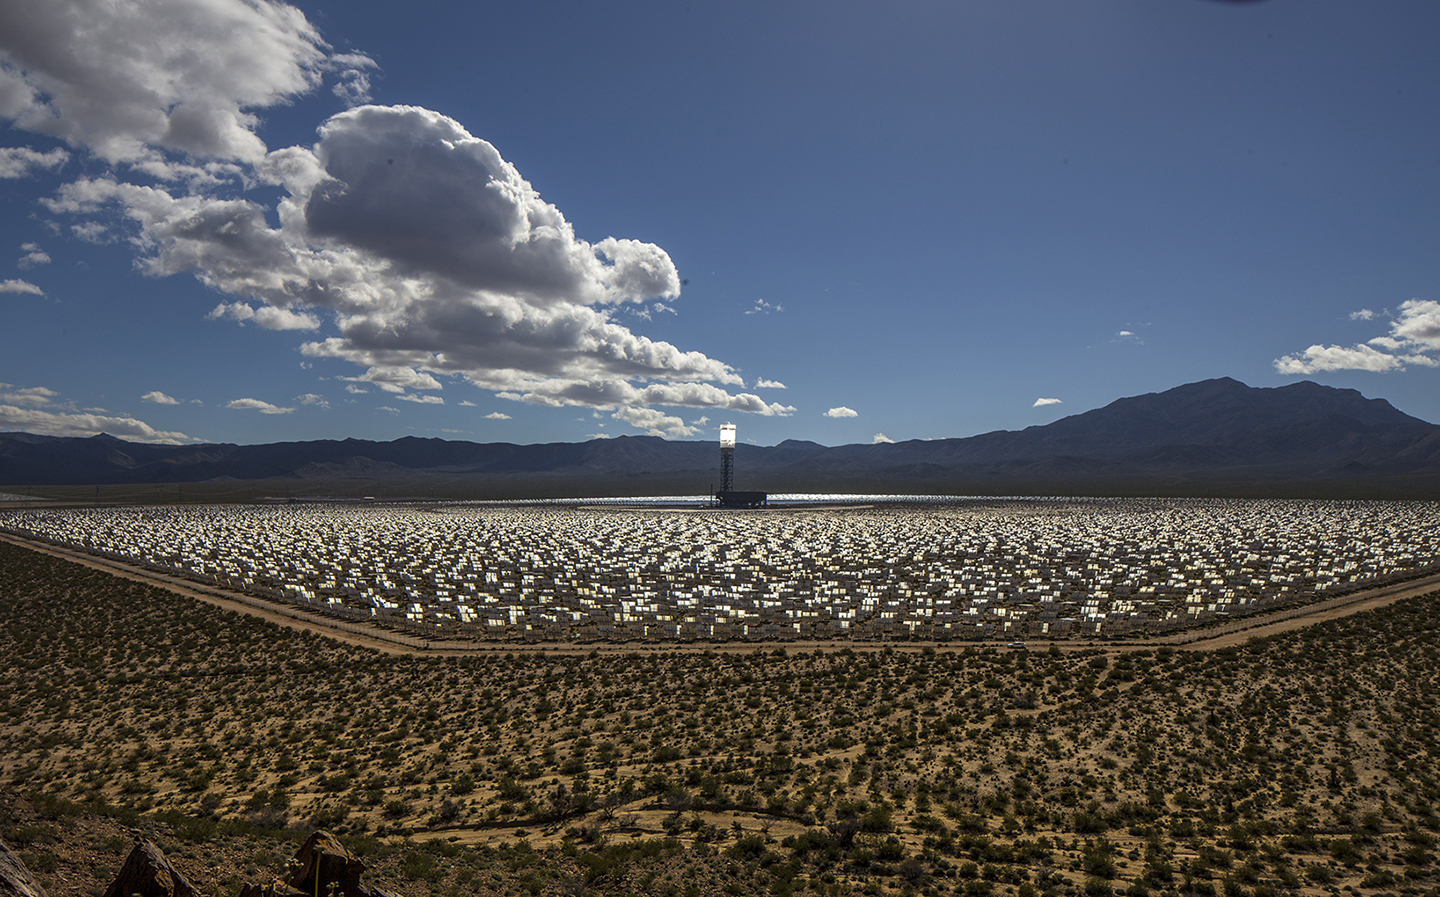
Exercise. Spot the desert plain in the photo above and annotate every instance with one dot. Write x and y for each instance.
(1300, 762)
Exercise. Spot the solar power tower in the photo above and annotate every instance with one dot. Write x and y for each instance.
(727, 496)
(727, 458)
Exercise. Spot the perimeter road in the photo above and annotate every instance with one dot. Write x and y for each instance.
(380, 639)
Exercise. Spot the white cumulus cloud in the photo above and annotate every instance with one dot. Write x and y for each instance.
(267, 316)
(497, 415)
(257, 405)
(431, 255)
(413, 187)
(159, 398)
(1337, 358)
(1414, 339)
(20, 286)
(762, 383)
(124, 78)
(1418, 324)
(881, 439)
(1042, 402)
(842, 411)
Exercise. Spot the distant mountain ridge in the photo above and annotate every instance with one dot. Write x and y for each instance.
(1200, 435)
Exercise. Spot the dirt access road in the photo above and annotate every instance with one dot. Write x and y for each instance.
(390, 642)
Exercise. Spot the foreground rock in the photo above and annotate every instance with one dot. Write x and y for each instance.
(148, 874)
(322, 866)
(15, 879)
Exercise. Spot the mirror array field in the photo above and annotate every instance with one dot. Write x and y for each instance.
(963, 569)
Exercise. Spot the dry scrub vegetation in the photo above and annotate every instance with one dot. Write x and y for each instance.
(1299, 764)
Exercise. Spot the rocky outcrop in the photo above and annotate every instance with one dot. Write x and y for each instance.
(15, 879)
(148, 874)
(321, 868)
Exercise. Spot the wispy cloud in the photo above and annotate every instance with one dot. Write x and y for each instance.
(1042, 402)
(21, 161)
(159, 398)
(764, 308)
(394, 379)
(25, 409)
(33, 257)
(353, 86)
(311, 398)
(31, 395)
(65, 423)
(656, 423)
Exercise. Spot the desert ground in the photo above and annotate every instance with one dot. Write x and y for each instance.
(1301, 762)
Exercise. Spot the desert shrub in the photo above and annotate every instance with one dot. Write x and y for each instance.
(396, 808)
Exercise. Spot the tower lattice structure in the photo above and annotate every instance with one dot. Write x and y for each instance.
(727, 468)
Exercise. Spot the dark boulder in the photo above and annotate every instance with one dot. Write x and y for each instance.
(323, 866)
(148, 874)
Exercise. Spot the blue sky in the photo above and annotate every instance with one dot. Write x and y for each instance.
(251, 222)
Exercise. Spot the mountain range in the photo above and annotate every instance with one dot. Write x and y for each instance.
(1215, 437)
